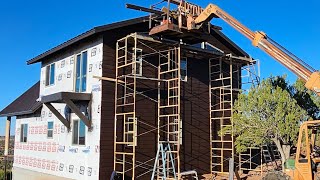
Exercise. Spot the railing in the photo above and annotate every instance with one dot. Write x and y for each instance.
(6, 163)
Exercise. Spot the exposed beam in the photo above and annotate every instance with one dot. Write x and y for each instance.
(76, 110)
(107, 79)
(58, 115)
(140, 8)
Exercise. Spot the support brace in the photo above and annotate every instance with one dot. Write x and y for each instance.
(58, 115)
(68, 98)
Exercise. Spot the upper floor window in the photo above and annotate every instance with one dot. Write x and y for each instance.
(78, 133)
(81, 72)
(24, 133)
(138, 69)
(50, 130)
(183, 69)
(50, 71)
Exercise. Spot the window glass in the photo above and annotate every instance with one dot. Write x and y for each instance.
(24, 133)
(82, 133)
(84, 71)
(47, 75)
(75, 132)
(78, 72)
(81, 72)
(52, 70)
(50, 130)
(79, 133)
(183, 69)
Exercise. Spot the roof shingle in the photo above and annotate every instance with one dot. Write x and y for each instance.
(25, 104)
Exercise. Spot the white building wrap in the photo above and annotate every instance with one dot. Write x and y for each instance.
(57, 155)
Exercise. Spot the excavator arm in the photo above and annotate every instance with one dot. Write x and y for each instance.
(261, 40)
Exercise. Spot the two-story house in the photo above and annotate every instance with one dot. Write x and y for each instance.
(104, 101)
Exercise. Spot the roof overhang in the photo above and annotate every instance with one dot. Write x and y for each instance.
(91, 32)
(221, 39)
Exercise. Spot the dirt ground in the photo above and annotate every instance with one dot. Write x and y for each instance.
(251, 175)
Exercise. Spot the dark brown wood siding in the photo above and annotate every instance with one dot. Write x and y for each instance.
(107, 105)
(195, 150)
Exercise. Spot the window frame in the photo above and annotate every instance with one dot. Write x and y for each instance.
(48, 75)
(50, 129)
(81, 71)
(185, 79)
(78, 132)
(22, 133)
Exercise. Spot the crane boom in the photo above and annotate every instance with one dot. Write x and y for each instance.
(261, 40)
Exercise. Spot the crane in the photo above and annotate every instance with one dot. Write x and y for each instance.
(308, 74)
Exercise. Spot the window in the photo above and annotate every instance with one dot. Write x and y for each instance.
(24, 133)
(81, 72)
(50, 70)
(50, 130)
(138, 69)
(79, 132)
(183, 69)
(131, 129)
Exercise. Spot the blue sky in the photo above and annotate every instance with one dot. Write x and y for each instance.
(29, 28)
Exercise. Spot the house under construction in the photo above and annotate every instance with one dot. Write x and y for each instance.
(138, 98)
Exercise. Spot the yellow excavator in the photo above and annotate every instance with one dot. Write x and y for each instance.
(191, 17)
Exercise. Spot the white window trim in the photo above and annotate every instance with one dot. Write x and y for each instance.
(45, 75)
(75, 70)
(85, 135)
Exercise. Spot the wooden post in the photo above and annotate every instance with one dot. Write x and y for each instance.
(7, 136)
(6, 145)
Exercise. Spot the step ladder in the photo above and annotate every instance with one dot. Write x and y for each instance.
(164, 165)
(267, 156)
(276, 154)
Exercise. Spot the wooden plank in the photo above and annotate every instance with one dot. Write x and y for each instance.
(108, 79)
(58, 115)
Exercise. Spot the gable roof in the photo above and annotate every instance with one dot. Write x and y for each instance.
(221, 38)
(25, 104)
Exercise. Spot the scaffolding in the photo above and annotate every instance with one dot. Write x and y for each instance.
(132, 53)
(164, 60)
(221, 94)
(227, 80)
(252, 159)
